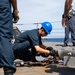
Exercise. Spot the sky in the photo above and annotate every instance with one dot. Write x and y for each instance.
(38, 11)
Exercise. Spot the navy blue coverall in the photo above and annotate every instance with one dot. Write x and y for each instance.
(26, 41)
(6, 28)
(70, 27)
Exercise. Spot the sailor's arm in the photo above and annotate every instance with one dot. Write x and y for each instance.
(67, 7)
(15, 10)
(66, 10)
(41, 50)
(14, 4)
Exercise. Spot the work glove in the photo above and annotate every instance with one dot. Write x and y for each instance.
(52, 51)
(15, 16)
(49, 48)
(46, 55)
(55, 55)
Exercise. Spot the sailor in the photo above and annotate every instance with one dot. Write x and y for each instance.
(28, 44)
(6, 29)
(70, 26)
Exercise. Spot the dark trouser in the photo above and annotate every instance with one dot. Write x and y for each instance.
(22, 51)
(70, 28)
(6, 28)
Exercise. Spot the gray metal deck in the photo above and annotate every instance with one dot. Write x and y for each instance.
(52, 69)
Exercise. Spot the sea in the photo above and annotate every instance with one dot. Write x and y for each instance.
(54, 39)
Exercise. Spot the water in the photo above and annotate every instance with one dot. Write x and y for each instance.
(54, 40)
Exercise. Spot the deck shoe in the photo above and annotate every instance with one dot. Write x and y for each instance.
(65, 44)
(73, 44)
(8, 73)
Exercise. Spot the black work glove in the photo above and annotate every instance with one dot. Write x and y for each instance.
(52, 51)
(46, 55)
(55, 55)
(49, 48)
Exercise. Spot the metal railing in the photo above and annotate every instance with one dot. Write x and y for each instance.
(57, 31)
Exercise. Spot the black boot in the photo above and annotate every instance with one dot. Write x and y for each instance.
(73, 44)
(8, 73)
(65, 44)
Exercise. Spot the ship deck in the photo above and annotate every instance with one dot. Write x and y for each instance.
(51, 69)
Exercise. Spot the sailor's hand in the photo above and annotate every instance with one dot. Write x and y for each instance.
(64, 20)
(53, 52)
(55, 55)
(15, 16)
(49, 48)
(44, 55)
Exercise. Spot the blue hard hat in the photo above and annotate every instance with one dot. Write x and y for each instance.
(47, 26)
